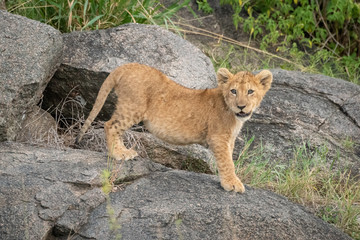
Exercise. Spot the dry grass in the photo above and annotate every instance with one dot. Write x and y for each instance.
(40, 128)
(308, 179)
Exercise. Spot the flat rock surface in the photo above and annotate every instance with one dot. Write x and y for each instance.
(37, 187)
(30, 52)
(185, 205)
(54, 194)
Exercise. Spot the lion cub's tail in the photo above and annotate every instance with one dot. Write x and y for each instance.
(104, 91)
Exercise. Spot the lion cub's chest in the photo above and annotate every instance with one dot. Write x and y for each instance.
(237, 128)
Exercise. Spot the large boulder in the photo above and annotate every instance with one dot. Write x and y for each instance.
(315, 109)
(300, 108)
(30, 52)
(54, 194)
(43, 191)
(90, 56)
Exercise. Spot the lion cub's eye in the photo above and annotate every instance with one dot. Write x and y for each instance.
(233, 91)
(250, 91)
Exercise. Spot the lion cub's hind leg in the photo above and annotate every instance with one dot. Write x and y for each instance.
(114, 130)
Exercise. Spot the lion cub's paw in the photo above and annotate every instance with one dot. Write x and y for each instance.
(126, 154)
(233, 184)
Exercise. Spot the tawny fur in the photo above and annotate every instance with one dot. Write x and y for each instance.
(179, 115)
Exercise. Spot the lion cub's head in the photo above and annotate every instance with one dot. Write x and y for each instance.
(244, 91)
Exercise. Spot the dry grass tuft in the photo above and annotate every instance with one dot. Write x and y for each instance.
(308, 179)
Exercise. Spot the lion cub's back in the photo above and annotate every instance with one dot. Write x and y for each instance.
(136, 81)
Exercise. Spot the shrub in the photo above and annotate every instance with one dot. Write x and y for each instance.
(333, 26)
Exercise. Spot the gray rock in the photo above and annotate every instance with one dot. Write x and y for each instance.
(90, 56)
(49, 190)
(192, 157)
(29, 55)
(315, 109)
(185, 205)
(54, 194)
(37, 186)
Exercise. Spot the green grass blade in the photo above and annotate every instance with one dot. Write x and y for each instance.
(85, 8)
(91, 22)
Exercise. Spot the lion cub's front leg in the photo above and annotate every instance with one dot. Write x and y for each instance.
(222, 149)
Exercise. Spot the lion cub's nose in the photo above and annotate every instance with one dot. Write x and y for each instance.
(241, 107)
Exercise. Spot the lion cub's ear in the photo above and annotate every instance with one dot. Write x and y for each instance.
(223, 75)
(265, 77)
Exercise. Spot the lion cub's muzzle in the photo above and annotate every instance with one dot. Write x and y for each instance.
(242, 114)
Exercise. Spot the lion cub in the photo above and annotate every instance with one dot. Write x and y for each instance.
(180, 115)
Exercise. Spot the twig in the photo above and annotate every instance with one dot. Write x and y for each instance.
(326, 26)
(325, 46)
(206, 33)
(132, 17)
(70, 14)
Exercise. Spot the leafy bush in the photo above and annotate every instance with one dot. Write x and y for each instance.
(333, 26)
(204, 6)
(92, 14)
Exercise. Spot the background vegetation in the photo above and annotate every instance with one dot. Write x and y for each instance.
(323, 35)
(75, 15)
(315, 35)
